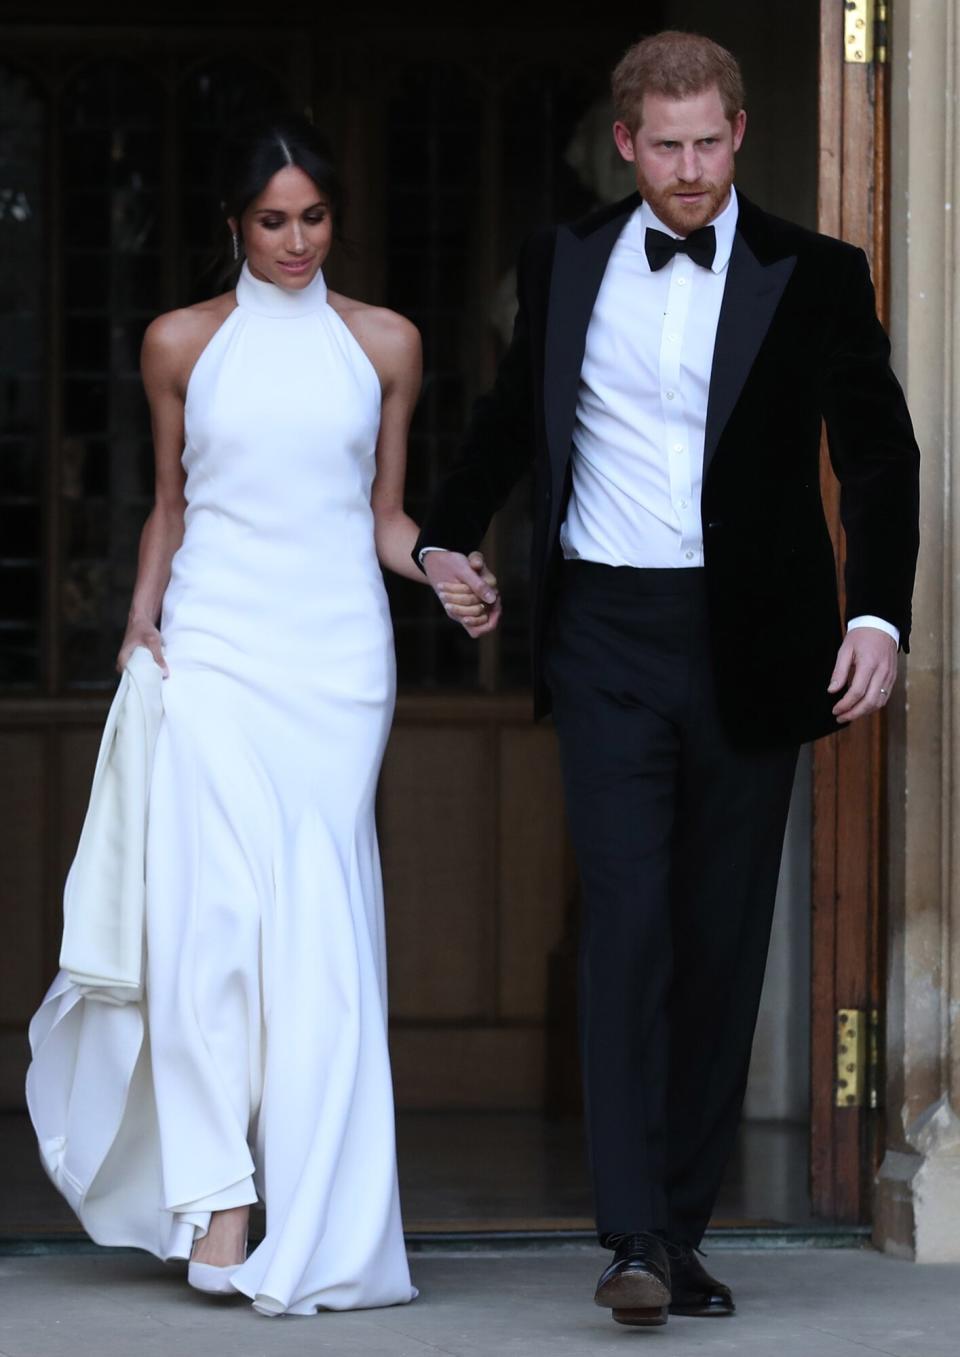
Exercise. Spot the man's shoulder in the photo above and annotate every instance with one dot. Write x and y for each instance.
(543, 239)
(599, 217)
(773, 236)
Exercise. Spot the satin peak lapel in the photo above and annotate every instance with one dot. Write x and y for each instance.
(578, 268)
(750, 298)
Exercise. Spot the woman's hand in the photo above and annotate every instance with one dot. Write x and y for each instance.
(170, 346)
(474, 602)
(142, 634)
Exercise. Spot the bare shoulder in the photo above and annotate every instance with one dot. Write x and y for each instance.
(390, 340)
(173, 342)
(174, 329)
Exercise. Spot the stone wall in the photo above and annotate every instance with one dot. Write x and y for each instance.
(918, 1187)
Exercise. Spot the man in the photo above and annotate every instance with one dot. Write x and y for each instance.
(672, 361)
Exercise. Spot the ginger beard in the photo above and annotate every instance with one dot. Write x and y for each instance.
(685, 207)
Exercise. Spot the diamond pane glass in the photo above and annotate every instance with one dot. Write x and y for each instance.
(22, 118)
(214, 99)
(112, 157)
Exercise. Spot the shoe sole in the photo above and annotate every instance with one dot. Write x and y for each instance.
(642, 1319)
(211, 1280)
(633, 1291)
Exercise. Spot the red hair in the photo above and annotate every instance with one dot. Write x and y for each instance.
(676, 65)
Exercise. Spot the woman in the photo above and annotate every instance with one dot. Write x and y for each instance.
(280, 413)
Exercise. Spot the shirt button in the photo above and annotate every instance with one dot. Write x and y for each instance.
(669, 395)
(681, 282)
(689, 555)
(682, 504)
(678, 447)
(673, 337)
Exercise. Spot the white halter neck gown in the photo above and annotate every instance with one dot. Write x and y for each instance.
(266, 1005)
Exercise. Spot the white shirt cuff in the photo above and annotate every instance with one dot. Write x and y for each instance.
(423, 551)
(867, 621)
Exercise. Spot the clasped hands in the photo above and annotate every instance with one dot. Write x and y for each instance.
(467, 588)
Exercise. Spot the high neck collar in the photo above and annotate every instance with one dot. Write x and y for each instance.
(282, 303)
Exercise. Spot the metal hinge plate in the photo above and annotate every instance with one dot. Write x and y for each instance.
(858, 31)
(857, 1033)
(865, 31)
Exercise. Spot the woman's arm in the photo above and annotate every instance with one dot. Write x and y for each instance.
(394, 346)
(161, 363)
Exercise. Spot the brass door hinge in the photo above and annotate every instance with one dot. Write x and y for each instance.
(858, 1058)
(880, 36)
(865, 31)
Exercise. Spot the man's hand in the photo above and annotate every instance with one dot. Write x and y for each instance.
(867, 667)
(466, 588)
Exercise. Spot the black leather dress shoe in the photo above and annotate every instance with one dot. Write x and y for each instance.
(693, 1290)
(636, 1285)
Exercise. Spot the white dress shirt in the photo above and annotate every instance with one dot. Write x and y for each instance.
(637, 458)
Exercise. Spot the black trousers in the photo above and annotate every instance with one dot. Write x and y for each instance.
(678, 836)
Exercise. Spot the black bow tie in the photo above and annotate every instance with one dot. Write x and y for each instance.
(700, 245)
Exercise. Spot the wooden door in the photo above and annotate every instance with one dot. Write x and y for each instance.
(848, 771)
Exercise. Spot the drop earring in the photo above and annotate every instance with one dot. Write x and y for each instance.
(236, 247)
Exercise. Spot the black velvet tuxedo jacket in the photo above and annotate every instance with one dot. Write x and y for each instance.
(798, 341)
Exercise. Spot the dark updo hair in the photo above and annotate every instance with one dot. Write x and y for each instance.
(257, 151)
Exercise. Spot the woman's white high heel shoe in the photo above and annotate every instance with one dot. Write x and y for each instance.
(214, 1280)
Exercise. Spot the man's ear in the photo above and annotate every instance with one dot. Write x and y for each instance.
(624, 140)
(739, 127)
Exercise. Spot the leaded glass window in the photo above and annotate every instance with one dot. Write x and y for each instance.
(22, 354)
(112, 208)
(452, 163)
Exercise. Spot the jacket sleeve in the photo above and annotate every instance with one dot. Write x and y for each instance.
(497, 447)
(876, 459)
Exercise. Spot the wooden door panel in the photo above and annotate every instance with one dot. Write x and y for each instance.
(435, 824)
(532, 869)
(848, 768)
(21, 864)
(484, 1069)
